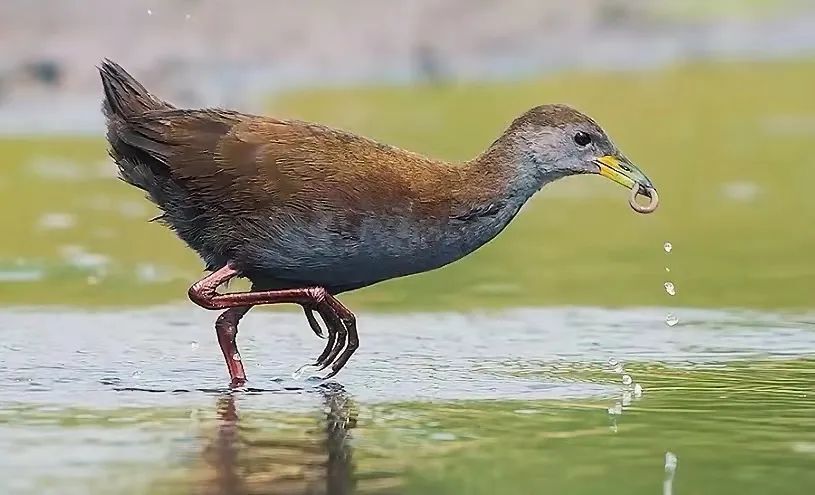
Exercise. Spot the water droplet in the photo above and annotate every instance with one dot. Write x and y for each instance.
(187, 17)
(627, 380)
(671, 320)
(619, 368)
(616, 410)
(626, 398)
(667, 269)
(301, 371)
(612, 362)
(670, 289)
(136, 374)
(670, 462)
(193, 345)
(637, 390)
(236, 357)
(668, 247)
(149, 12)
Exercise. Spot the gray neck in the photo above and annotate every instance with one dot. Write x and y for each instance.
(510, 162)
(482, 222)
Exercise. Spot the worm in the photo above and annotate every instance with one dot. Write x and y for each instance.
(650, 193)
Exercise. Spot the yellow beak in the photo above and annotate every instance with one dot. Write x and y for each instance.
(621, 171)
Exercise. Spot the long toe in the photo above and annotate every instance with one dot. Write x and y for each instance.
(342, 335)
(329, 346)
(313, 323)
(353, 345)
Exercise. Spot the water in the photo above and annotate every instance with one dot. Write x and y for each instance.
(671, 462)
(670, 289)
(122, 402)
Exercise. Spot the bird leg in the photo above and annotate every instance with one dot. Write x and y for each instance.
(226, 327)
(204, 293)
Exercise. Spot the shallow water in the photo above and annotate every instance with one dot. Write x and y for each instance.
(522, 401)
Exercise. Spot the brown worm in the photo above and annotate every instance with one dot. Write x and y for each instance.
(652, 196)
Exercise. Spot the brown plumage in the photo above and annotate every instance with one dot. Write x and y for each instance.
(306, 211)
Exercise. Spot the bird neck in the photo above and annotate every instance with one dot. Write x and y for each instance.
(486, 194)
(513, 174)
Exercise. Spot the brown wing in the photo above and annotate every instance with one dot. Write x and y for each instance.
(252, 163)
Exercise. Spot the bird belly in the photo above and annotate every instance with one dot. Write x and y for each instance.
(374, 250)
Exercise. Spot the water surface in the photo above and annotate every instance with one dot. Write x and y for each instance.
(522, 401)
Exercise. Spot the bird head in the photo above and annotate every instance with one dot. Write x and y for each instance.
(554, 141)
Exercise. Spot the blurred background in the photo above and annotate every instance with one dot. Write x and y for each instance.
(688, 332)
(711, 99)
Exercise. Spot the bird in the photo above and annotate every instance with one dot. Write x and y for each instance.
(307, 212)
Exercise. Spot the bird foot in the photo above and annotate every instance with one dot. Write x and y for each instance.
(237, 383)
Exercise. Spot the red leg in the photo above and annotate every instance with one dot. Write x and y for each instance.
(204, 293)
(226, 327)
(338, 318)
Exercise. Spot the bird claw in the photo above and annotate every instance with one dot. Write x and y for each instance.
(341, 335)
(313, 323)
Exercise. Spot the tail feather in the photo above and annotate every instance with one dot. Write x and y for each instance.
(124, 95)
(125, 101)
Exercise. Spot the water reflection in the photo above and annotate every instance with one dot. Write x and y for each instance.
(292, 456)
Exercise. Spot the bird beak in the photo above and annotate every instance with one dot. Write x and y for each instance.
(619, 169)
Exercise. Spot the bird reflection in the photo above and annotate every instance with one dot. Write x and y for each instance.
(287, 455)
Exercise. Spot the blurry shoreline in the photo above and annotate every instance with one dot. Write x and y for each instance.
(211, 54)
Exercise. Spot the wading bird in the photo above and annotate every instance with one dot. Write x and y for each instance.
(306, 212)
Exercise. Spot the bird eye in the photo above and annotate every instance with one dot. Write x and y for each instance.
(582, 139)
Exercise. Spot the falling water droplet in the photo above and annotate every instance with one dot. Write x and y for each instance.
(671, 320)
(637, 390)
(626, 398)
(627, 380)
(670, 469)
(612, 362)
(671, 462)
(618, 368)
(616, 410)
(187, 17)
(670, 289)
(236, 357)
(136, 374)
(193, 345)
(149, 12)
(668, 247)
(667, 269)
